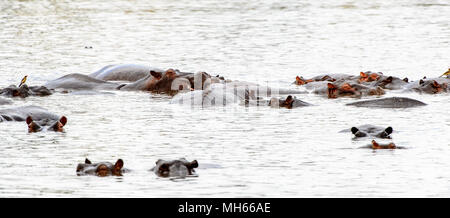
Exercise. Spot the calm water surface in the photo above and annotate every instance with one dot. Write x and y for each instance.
(243, 152)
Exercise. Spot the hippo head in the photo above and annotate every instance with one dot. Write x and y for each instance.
(175, 168)
(46, 124)
(368, 77)
(432, 86)
(14, 91)
(100, 169)
(168, 82)
(382, 134)
(335, 91)
(300, 81)
(287, 103)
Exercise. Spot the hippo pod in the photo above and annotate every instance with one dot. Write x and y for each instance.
(175, 168)
(392, 102)
(37, 118)
(101, 168)
(370, 130)
(24, 91)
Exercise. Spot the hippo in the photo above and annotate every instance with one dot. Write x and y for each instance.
(160, 82)
(370, 130)
(175, 168)
(289, 102)
(299, 80)
(430, 86)
(78, 81)
(101, 169)
(25, 91)
(392, 102)
(37, 118)
(124, 72)
(344, 89)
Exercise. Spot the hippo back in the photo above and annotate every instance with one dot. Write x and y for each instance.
(21, 114)
(79, 82)
(124, 72)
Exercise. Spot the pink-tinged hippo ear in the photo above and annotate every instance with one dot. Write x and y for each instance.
(87, 161)
(331, 86)
(299, 81)
(435, 84)
(170, 73)
(155, 74)
(29, 120)
(362, 74)
(63, 120)
(119, 164)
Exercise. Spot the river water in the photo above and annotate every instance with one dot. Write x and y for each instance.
(242, 151)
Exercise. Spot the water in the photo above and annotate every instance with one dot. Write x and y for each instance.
(242, 152)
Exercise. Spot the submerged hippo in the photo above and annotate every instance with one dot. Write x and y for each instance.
(124, 72)
(370, 130)
(169, 82)
(175, 168)
(37, 118)
(289, 102)
(392, 102)
(25, 91)
(430, 86)
(101, 168)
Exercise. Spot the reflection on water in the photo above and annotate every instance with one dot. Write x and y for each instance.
(247, 151)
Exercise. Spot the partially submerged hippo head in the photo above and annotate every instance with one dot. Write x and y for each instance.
(24, 91)
(46, 124)
(289, 103)
(335, 91)
(301, 81)
(376, 145)
(368, 77)
(100, 169)
(374, 131)
(168, 82)
(431, 86)
(175, 168)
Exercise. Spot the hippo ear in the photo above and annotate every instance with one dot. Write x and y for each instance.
(362, 74)
(299, 81)
(406, 79)
(119, 164)
(331, 86)
(421, 82)
(29, 120)
(354, 130)
(193, 164)
(288, 100)
(435, 84)
(155, 74)
(87, 161)
(389, 130)
(63, 120)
